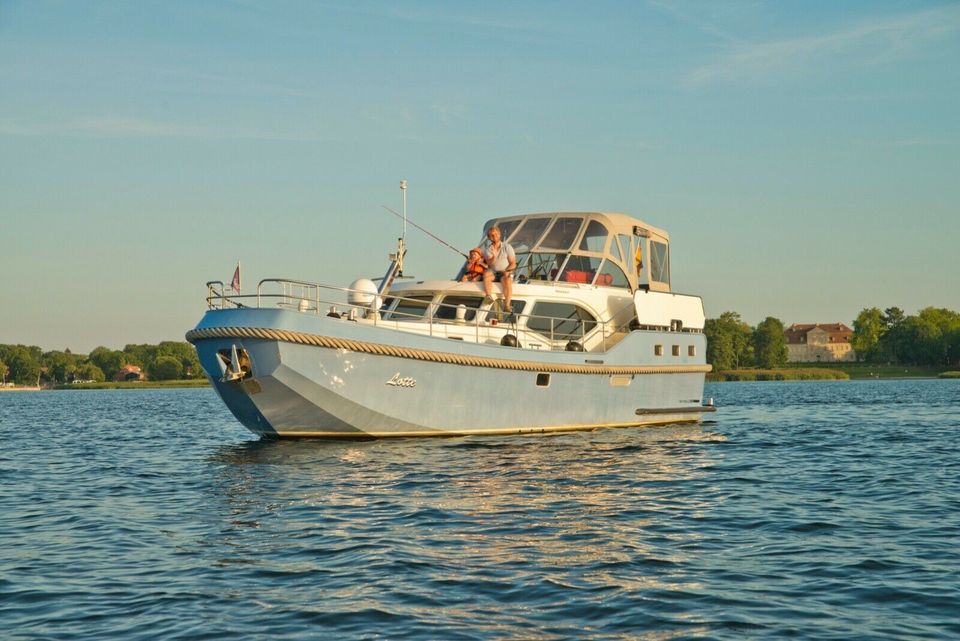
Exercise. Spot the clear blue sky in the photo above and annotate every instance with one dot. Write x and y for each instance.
(804, 156)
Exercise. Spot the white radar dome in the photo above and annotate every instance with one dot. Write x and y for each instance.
(363, 292)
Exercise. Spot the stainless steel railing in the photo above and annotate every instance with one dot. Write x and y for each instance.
(314, 298)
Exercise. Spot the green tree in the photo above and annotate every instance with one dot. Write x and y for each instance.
(109, 361)
(934, 328)
(140, 355)
(60, 365)
(868, 329)
(953, 348)
(185, 353)
(720, 352)
(893, 316)
(165, 368)
(3, 371)
(728, 342)
(90, 372)
(23, 365)
(770, 343)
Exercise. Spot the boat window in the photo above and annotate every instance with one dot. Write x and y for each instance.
(447, 309)
(507, 227)
(539, 266)
(625, 247)
(581, 269)
(560, 321)
(529, 233)
(611, 275)
(615, 249)
(562, 234)
(595, 238)
(659, 262)
(409, 308)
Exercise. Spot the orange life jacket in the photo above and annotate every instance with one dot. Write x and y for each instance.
(475, 269)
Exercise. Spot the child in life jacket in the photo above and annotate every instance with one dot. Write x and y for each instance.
(475, 266)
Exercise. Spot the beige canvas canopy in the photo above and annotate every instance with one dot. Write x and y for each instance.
(611, 249)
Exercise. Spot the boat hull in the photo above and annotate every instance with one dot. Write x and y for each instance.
(325, 378)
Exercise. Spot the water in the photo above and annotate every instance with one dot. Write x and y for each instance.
(806, 510)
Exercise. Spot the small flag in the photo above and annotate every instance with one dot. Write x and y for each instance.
(235, 283)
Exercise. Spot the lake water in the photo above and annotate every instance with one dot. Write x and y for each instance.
(804, 510)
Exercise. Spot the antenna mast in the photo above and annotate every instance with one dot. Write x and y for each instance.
(395, 270)
(403, 190)
(401, 249)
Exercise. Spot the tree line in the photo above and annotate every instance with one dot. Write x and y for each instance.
(30, 365)
(931, 338)
(733, 344)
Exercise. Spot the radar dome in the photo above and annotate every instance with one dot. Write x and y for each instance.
(363, 292)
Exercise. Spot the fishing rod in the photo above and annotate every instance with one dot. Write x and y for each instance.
(427, 232)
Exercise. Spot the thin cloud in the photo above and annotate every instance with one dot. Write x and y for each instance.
(692, 15)
(448, 114)
(123, 127)
(904, 143)
(871, 42)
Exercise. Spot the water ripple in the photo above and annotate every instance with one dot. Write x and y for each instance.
(804, 510)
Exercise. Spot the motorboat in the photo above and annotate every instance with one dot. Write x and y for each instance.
(594, 338)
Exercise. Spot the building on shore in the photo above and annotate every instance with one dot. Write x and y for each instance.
(819, 343)
(129, 373)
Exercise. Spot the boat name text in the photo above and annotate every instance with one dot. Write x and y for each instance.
(402, 381)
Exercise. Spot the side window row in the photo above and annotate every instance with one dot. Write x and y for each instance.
(691, 350)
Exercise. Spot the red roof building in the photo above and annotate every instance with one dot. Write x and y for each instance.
(819, 342)
(128, 373)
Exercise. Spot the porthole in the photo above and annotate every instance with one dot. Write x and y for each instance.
(543, 380)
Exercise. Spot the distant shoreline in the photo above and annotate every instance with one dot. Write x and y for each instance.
(194, 382)
(832, 371)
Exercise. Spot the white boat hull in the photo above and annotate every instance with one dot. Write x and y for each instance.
(320, 377)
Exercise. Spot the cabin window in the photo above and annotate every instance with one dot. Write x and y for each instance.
(409, 308)
(611, 275)
(529, 233)
(659, 262)
(543, 380)
(447, 309)
(658, 350)
(562, 234)
(560, 321)
(595, 238)
(581, 269)
(676, 350)
(691, 350)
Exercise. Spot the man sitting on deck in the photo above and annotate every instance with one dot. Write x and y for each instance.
(501, 261)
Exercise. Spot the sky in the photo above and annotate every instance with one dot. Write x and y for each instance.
(803, 156)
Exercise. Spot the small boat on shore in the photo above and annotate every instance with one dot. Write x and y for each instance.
(594, 337)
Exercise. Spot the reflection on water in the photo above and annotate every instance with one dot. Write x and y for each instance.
(587, 509)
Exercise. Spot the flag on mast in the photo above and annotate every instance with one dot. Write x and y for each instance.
(235, 283)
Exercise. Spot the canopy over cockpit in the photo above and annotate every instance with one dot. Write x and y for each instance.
(602, 249)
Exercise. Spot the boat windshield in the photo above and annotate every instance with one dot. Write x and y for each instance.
(539, 265)
(528, 234)
(562, 234)
(582, 248)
